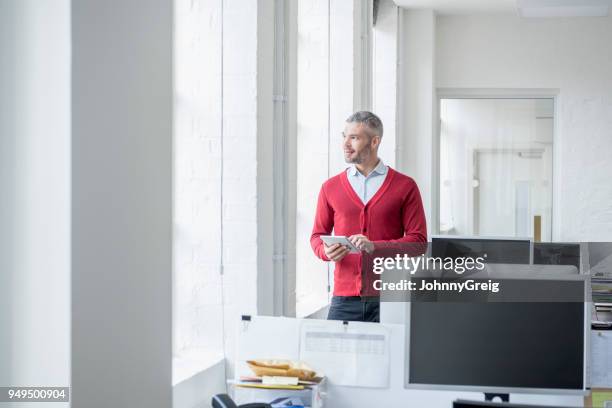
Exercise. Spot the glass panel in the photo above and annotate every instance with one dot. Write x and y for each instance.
(313, 149)
(496, 166)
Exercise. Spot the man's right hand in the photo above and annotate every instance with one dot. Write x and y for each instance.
(335, 252)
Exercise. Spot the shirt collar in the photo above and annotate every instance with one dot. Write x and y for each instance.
(380, 168)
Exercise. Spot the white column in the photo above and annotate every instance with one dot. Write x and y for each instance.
(265, 157)
(415, 116)
(415, 147)
(121, 203)
(35, 185)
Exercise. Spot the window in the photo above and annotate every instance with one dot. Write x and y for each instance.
(222, 98)
(333, 75)
(216, 174)
(312, 148)
(496, 167)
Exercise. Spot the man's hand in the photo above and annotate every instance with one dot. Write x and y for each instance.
(362, 242)
(335, 252)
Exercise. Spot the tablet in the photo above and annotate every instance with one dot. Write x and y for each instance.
(340, 239)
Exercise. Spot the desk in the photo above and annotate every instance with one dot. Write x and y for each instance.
(287, 346)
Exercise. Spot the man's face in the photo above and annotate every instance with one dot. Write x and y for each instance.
(358, 143)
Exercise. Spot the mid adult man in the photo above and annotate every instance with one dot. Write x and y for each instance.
(370, 203)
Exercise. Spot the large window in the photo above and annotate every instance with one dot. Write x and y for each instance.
(224, 96)
(333, 81)
(312, 147)
(215, 173)
(496, 167)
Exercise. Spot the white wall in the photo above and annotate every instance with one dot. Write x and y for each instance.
(197, 390)
(247, 194)
(414, 144)
(35, 185)
(121, 202)
(198, 317)
(571, 55)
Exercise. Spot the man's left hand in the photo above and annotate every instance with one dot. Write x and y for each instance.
(362, 242)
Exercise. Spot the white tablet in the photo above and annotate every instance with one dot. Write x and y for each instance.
(340, 239)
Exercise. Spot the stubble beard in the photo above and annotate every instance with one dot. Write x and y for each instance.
(361, 156)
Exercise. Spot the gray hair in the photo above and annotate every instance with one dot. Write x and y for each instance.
(372, 121)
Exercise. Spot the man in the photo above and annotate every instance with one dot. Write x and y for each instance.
(370, 203)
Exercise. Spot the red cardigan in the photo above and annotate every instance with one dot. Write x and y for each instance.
(394, 214)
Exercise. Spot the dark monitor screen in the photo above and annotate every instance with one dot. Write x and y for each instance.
(500, 345)
(552, 253)
(506, 251)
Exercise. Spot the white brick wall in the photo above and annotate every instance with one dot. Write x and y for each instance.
(239, 164)
(197, 175)
(215, 171)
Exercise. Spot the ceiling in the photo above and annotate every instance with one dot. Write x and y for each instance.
(550, 8)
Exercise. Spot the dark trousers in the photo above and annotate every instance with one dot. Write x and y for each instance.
(354, 308)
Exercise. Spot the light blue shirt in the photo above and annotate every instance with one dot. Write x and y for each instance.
(366, 187)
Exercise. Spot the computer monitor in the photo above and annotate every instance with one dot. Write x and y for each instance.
(494, 250)
(556, 253)
(499, 347)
